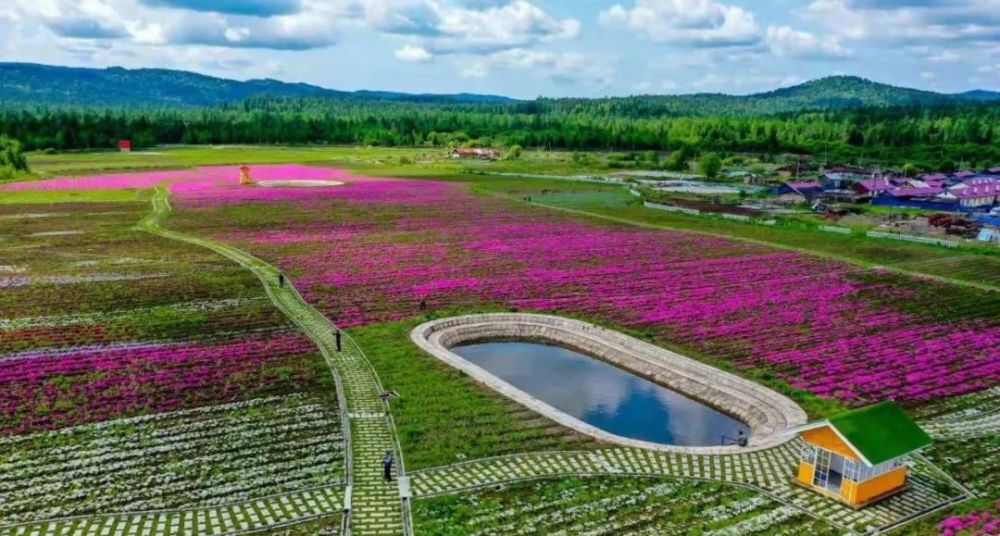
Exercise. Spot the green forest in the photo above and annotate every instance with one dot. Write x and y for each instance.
(930, 136)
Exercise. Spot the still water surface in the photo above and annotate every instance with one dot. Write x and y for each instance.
(602, 395)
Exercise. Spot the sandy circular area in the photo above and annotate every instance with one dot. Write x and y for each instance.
(298, 184)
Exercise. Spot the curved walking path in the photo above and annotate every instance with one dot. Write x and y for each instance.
(372, 506)
(768, 471)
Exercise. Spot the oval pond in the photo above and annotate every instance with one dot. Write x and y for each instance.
(602, 395)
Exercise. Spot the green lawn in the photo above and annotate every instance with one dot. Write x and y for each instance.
(72, 196)
(416, 162)
(442, 416)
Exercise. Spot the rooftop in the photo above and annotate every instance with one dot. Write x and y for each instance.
(879, 433)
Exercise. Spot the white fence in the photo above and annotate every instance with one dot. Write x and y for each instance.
(671, 208)
(835, 229)
(911, 238)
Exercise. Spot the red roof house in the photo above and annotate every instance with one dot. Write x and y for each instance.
(125, 146)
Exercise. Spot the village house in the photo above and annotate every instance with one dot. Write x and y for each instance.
(873, 187)
(859, 456)
(981, 192)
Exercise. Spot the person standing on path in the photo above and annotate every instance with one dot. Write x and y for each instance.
(337, 335)
(281, 280)
(387, 465)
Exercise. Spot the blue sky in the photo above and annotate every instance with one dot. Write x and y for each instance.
(523, 48)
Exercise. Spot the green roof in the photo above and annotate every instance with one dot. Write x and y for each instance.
(880, 432)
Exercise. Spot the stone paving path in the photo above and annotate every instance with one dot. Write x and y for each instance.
(770, 471)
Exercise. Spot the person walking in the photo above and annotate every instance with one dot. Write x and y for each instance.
(339, 349)
(387, 466)
(281, 280)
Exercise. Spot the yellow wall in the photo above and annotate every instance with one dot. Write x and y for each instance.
(880, 485)
(825, 438)
(848, 491)
(805, 473)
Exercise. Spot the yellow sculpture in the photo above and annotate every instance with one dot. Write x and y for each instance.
(245, 175)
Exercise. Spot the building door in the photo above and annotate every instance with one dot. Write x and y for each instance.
(821, 475)
(829, 473)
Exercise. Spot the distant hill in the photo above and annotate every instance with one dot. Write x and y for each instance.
(981, 95)
(33, 84)
(831, 93)
(24, 84)
(838, 92)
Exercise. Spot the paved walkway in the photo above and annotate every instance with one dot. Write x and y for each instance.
(770, 471)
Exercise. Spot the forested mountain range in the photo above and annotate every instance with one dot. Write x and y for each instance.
(840, 118)
(28, 85)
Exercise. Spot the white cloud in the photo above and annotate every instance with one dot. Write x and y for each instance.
(915, 21)
(786, 41)
(470, 27)
(561, 67)
(414, 54)
(698, 23)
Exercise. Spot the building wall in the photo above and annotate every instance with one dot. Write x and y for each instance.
(826, 438)
(805, 473)
(862, 492)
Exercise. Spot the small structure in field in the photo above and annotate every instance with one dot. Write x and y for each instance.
(859, 456)
(479, 153)
(125, 146)
(245, 178)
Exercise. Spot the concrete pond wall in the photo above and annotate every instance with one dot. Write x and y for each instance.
(768, 414)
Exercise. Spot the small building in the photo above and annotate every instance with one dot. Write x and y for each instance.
(245, 178)
(873, 187)
(981, 192)
(125, 146)
(859, 456)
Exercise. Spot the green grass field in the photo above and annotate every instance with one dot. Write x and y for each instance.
(35, 197)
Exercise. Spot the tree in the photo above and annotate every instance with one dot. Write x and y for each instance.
(12, 159)
(710, 164)
(514, 152)
(678, 160)
(910, 170)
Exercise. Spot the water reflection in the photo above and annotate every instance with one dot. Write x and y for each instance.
(602, 395)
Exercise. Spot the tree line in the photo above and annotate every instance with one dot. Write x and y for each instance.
(967, 133)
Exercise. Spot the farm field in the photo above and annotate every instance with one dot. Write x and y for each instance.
(974, 265)
(141, 374)
(161, 367)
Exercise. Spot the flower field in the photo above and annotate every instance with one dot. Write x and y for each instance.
(170, 460)
(370, 251)
(139, 373)
(612, 506)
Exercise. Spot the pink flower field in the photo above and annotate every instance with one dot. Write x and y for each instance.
(369, 251)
